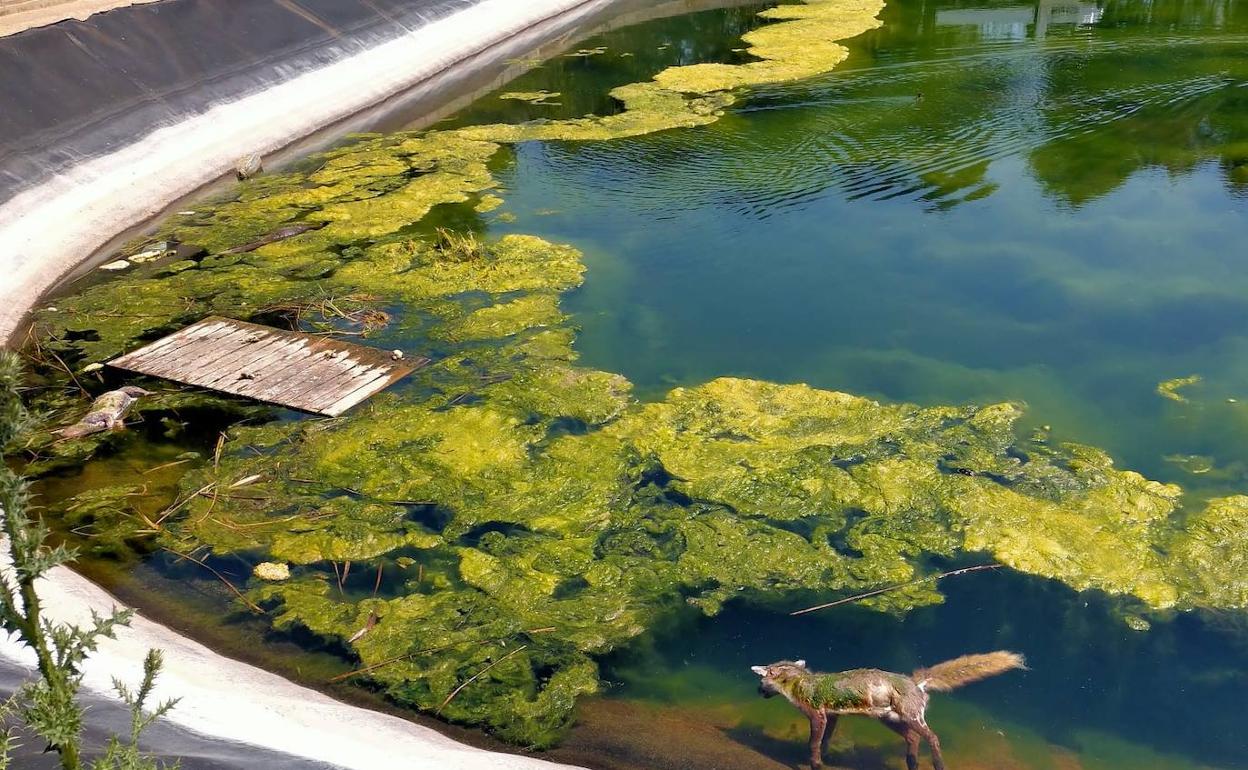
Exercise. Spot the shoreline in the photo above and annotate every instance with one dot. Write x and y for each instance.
(54, 228)
(228, 700)
(49, 229)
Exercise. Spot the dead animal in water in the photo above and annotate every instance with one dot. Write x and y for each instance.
(107, 412)
(273, 237)
(248, 166)
(897, 700)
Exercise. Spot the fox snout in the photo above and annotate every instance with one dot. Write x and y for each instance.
(767, 686)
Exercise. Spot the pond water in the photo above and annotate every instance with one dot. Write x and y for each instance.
(1038, 204)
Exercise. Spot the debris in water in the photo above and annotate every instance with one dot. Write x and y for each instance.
(273, 237)
(248, 166)
(107, 412)
(1170, 388)
(369, 625)
(272, 571)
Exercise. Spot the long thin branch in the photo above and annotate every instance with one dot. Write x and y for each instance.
(878, 591)
(426, 651)
(477, 675)
(250, 604)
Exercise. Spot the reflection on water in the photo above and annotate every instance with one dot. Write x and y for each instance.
(949, 217)
(1018, 22)
(987, 202)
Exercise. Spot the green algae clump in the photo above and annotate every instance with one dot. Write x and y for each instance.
(1213, 546)
(803, 46)
(1171, 388)
(506, 516)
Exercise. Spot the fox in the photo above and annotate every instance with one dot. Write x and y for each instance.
(897, 700)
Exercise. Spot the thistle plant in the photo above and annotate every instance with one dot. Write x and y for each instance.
(48, 705)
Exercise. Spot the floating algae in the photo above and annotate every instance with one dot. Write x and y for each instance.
(542, 97)
(513, 508)
(1171, 388)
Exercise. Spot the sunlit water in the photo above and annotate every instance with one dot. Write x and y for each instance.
(1040, 203)
(1030, 203)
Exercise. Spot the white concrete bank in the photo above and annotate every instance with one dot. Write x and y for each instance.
(234, 701)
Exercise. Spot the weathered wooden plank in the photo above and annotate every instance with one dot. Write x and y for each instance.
(280, 373)
(323, 377)
(206, 348)
(181, 337)
(362, 393)
(235, 363)
(292, 369)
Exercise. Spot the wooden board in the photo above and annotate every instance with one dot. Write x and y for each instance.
(292, 369)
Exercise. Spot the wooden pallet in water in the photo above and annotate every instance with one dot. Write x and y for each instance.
(292, 369)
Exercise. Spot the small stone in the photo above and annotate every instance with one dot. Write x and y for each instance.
(120, 264)
(396, 355)
(50, 309)
(274, 571)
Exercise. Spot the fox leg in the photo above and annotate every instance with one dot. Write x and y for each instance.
(818, 730)
(912, 749)
(827, 733)
(911, 737)
(933, 743)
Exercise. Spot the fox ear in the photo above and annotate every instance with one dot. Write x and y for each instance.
(801, 664)
(760, 670)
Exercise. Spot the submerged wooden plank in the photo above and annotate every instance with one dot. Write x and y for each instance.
(291, 369)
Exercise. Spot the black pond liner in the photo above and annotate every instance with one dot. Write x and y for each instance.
(79, 89)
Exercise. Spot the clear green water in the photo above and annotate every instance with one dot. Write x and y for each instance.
(970, 209)
(966, 210)
(1055, 220)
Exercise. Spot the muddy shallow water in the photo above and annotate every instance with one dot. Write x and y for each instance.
(982, 204)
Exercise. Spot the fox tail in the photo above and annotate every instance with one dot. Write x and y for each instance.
(952, 674)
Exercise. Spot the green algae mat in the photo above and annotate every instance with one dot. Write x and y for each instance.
(489, 541)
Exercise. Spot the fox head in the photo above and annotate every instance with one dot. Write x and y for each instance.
(780, 678)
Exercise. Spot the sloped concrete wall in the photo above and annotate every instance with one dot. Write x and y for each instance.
(106, 122)
(75, 90)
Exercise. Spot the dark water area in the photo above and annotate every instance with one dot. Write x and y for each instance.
(1032, 203)
(1099, 694)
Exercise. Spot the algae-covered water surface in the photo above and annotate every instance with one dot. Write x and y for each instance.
(730, 313)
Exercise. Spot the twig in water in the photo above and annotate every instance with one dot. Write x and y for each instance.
(426, 651)
(477, 675)
(178, 504)
(85, 392)
(163, 466)
(250, 604)
(377, 584)
(878, 591)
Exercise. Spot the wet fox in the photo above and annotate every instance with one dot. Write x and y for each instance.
(897, 700)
